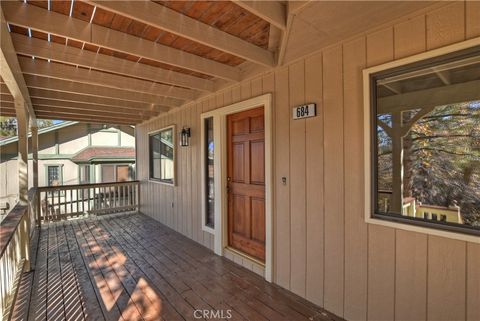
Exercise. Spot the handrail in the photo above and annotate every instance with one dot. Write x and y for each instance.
(14, 255)
(66, 201)
(70, 186)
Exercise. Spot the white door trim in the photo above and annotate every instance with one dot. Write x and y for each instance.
(220, 166)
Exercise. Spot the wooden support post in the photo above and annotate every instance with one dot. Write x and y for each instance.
(22, 125)
(34, 130)
(138, 197)
(396, 204)
(22, 132)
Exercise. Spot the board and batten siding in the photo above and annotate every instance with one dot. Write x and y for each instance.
(323, 249)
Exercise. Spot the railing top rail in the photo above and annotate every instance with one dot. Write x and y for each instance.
(10, 224)
(92, 185)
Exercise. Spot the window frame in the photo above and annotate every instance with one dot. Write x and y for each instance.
(174, 138)
(204, 178)
(370, 146)
(60, 174)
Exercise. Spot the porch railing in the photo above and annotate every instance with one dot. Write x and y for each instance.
(15, 235)
(67, 201)
(52, 204)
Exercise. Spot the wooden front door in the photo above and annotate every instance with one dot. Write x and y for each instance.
(246, 182)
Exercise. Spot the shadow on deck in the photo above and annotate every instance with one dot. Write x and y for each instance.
(130, 267)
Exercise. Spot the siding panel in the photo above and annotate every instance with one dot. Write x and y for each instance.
(314, 181)
(297, 181)
(334, 189)
(446, 279)
(356, 237)
(381, 240)
(446, 25)
(282, 169)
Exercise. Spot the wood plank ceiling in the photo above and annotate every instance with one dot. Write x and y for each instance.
(125, 62)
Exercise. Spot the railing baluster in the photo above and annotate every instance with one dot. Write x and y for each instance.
(129, 194)
(52, 207)
(110, 196)
(61, 202)
(57, 214)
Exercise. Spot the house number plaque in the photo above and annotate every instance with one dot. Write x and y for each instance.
(305, 111)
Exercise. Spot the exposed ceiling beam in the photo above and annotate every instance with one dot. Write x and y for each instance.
(293, 8)
(51, 111)
(30, 16)
(92, 100)
(272, 11)
(71, 55)
(438, 96)
(85, 119)
(10, 69)
(98, 91)
(88, 107)
(171, 21)
(7, 112)
(68, 72)
(83, 113)
(5, 96)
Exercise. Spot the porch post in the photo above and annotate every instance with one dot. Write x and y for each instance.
(34, 130)
(22, 163)
(397, 164)
(22, 125)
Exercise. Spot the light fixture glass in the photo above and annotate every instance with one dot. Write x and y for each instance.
(185, 137)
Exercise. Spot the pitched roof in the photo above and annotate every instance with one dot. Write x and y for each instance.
(103, 153)
(64, 124)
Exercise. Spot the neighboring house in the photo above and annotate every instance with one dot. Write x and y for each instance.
(71, 153)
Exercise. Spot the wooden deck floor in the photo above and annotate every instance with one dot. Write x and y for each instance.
(130, 267)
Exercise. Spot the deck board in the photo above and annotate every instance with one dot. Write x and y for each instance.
(131, 267)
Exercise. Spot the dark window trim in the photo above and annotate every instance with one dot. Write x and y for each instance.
(206, 182)
(168, 182)
(398, 218)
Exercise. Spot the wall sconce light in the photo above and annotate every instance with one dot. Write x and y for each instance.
(185, 137)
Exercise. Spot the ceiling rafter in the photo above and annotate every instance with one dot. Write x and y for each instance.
(86, 118)
(53, 111)
(86, 106)
(67, 72)
(51, 22)
(92, 100)
(98, 91)
(54, 51)
(293, 8)
(69, 111)
(171, 21)
(272, 11)
(10, 69)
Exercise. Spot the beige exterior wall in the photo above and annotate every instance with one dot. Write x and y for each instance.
(71, 140)
(127, 139)
(323, 249)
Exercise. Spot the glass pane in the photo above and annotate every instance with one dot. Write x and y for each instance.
(428, 142)
(53, 176)
(122, 173)
(108, 173)
(210, 192)
(84, 174)
(161, 155)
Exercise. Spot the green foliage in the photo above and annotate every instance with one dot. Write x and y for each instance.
(8, 125)
(441, 159)
(444, 151)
